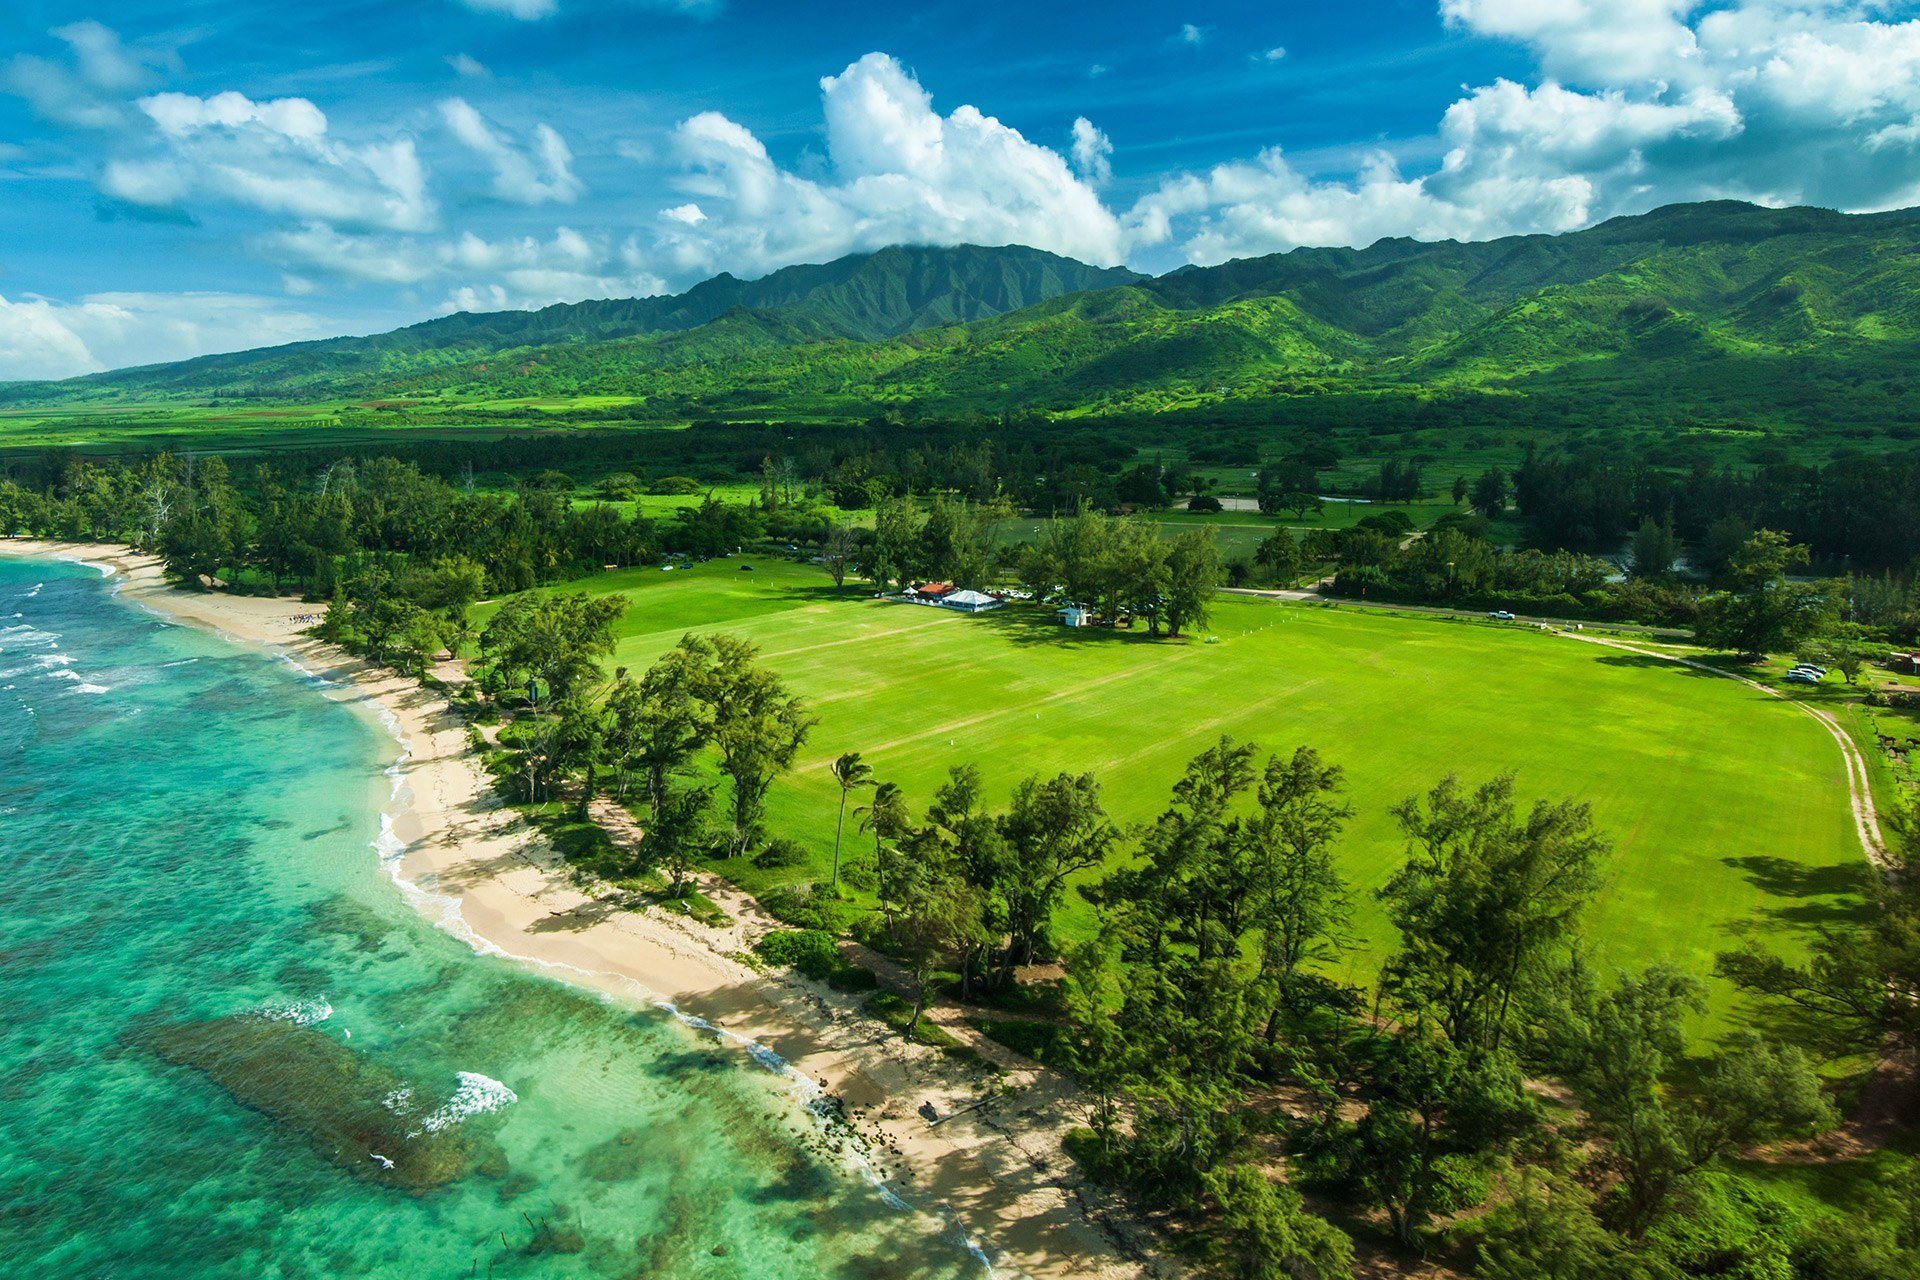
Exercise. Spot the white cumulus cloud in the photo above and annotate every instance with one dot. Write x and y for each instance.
(895, 172)
(531, 272)
(276, 156)
(1640, 103)
(1092, 152)
(478, 274)
(539, 173)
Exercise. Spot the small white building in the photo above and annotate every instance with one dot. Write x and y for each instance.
(1075, 616)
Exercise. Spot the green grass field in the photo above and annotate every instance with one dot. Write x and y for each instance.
(1727, 807)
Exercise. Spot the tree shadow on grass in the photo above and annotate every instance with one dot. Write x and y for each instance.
(1841, 888)
(1040, 627)
(821, 592)
(1647, 662)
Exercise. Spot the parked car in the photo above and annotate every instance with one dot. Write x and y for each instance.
(1797, 676)
(1501, 615)
(1808, 666)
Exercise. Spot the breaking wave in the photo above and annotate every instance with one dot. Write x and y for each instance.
(477, 1096)
(304, 1013)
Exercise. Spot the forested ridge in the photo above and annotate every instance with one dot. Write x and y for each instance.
(1720, 310)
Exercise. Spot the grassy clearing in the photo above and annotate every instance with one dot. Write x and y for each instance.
(1727, 807)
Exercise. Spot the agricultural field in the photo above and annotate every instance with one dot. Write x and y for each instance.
(1727, 807)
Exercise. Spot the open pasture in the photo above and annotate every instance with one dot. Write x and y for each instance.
(1727, 807)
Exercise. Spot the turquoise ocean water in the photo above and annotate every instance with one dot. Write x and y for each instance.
(229, 1048)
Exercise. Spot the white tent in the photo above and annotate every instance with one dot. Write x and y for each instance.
(968, 601)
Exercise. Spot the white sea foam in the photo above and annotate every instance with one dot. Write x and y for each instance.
(477, 1095)
(305, 1013)
(24, 635)
(400, 1101)
(84, 687)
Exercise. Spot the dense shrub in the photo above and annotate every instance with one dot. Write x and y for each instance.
(1046, 1042)
(1729, 1228)
(780, 853)
(807, 907)
(811, 951)
(1394, 524)
(853, 977)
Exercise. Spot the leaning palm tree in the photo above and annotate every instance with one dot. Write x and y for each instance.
(849, 771)
(886, 817)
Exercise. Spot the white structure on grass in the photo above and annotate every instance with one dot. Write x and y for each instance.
(969, 601)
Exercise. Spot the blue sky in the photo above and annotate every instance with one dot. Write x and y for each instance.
(207, 174)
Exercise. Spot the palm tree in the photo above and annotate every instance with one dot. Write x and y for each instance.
(887, 818)
(849, 771)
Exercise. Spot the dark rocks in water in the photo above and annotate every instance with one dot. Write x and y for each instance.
(514, 1186)
(555, 1237)
(618, 1159)
(333, 1097)
(342, 916)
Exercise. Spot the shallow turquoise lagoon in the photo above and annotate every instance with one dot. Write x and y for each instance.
(228, 1047)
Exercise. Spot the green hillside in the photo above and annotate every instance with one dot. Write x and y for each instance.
(1721, 311)
(864, 297)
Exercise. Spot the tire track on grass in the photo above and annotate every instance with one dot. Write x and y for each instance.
(1866, 817)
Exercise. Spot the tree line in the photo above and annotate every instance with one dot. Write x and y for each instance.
(1216, 1048)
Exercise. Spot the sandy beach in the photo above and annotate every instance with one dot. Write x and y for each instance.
(475, 867)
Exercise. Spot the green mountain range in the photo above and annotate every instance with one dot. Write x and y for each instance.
(864, 297)
(1723, 309)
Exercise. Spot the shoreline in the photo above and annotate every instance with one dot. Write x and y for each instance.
(472, 866)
